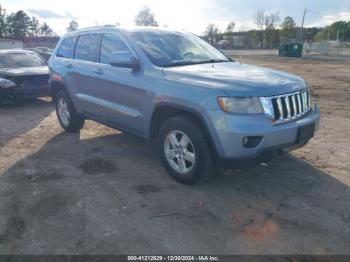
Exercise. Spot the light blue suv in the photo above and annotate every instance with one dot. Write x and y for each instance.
(203, 109)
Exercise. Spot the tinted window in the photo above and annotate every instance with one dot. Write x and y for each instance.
(111, 43)
(67, 48)
(88, 48)
(14, 60)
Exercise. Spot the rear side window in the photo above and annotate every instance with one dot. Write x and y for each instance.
(88, 48)
(111, 43)
(67, 48)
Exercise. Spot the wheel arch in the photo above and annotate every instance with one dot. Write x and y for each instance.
(165, 111)
(55, 87)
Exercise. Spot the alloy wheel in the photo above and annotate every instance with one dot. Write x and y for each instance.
(63, 111)
(179, 152)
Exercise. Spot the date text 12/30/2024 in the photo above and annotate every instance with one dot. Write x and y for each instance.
(173, 258)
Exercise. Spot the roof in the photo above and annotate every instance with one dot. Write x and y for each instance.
(118, 28)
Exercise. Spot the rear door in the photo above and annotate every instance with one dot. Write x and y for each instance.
(84, 76)
(61, 67)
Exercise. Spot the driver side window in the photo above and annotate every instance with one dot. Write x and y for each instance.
(111, 43)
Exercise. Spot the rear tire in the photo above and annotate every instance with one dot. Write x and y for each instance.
(66, 114)
(184, 150)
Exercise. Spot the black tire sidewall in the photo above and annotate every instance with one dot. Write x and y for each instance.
(75, 121)
(202, 166)
(62, 94)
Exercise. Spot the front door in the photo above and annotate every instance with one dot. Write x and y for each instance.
(120, 88)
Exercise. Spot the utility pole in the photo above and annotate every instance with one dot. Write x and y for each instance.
(338, 42)
(302, 26)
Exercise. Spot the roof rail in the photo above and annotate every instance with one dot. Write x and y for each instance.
(96, 27)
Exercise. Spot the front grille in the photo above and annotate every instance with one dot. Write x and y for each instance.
(288, 107)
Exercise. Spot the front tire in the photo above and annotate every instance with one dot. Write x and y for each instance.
(66, 114)
(184, 150)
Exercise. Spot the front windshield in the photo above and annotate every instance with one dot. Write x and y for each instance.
(15, 60)
(166, 49)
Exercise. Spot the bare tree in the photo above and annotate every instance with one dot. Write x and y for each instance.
(230, 27)
(270, 22)
(212, 33)
(266, 25)
(259, 20)
(145, 17)
(46, 30)
(73, 26)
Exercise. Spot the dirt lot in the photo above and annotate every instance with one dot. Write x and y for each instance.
(104, 192)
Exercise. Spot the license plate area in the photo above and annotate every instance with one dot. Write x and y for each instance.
(305, 133)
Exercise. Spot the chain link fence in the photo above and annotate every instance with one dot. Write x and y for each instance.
(327, 48)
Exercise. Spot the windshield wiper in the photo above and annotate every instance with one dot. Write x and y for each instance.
(210, 61)
(184, 63)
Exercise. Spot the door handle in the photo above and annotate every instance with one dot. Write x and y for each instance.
(99, 71)
(69, 65)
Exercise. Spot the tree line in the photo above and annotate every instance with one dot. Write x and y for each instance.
(19, 25)
(270, 31)
(145, 17)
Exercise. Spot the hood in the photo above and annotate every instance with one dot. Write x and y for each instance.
(24, 71)
(237, 79)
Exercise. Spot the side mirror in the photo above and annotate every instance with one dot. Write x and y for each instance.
(124, 59)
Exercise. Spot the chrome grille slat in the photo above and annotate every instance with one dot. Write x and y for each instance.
(286, 100)
(284, 108)
(280, 108)
(305, 101)
(299, 105)
(302, 101)
(294, 106)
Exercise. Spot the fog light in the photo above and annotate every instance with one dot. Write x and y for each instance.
(252, 141)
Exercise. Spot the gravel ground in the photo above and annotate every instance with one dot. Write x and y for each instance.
(105, 192)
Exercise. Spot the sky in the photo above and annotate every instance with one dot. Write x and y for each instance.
(191, 15)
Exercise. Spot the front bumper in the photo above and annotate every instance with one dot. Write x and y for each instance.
(17, 93)
(7, 95)
(231, 129)
(263, 156)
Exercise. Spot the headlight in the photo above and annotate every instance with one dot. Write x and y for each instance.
(5, 83)
(241, 105)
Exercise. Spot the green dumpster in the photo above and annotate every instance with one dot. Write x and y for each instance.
(291, 50)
